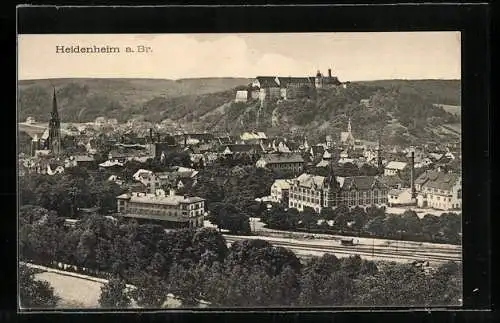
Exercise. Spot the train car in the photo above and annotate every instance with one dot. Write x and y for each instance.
(347, 242)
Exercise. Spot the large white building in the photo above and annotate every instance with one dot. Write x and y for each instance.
(394, 168)
(438, 190)
(175, 211)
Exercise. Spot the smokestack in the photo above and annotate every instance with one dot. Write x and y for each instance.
(151, 134)
(412, 175)
(330, 73)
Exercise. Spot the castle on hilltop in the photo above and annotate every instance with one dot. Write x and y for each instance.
(287, 88)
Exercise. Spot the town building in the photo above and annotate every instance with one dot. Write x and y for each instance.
(254, 135)
(171, 211)
(346, 138)
(295, 87)
(241, 96)
(243, 149)
(282, 161)
(394, 168)
(320, 192)
(268, 87)
(439, 190)
(280, 191)
(399, 197)
(321, 81)
(289, 88)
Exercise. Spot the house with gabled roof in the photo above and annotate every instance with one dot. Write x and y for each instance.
(439, 190)
(320, 192)
(282, 161)
(394, 168)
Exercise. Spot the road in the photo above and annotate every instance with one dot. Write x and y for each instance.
(83, 291)
(388, 252)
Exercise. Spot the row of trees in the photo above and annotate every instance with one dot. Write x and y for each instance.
(370, 221)
(198, 265)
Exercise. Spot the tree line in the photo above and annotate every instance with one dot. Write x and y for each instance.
(199, 266)
(367, 222)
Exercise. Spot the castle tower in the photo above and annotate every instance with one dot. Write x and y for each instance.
(318, 82)
(54, 128)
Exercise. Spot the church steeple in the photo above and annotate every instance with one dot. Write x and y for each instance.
(54, 139)
(54, 114)
(349, 129)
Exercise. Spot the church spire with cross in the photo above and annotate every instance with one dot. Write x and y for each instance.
(54, 128)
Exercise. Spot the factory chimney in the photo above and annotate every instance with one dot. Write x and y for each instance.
(329, 73)
(412, 176)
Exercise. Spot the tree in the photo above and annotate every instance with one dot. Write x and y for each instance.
(151, 291)
(451, 227)
(327, 214)
(395, 285)
(411, 223)
(430, 226)
(35, 293)
(359, 217)
(394, 225)
(308, 217)
(114, 294)
(286, 287)
(376, 226)
(374, 211)
(210, 240)
(186, 283)
(342, 217)
(229, 217)
(351, 265)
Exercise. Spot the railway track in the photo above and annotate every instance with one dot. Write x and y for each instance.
(388, 252)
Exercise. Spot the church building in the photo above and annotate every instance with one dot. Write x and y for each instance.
(54, 140)
(346, 137)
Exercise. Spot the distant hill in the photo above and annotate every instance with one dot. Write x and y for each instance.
(85, 99)
(446, 92)
(402, 112)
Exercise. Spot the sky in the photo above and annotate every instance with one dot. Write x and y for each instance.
(351, 56)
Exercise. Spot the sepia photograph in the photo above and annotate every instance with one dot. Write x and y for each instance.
(239, 170)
